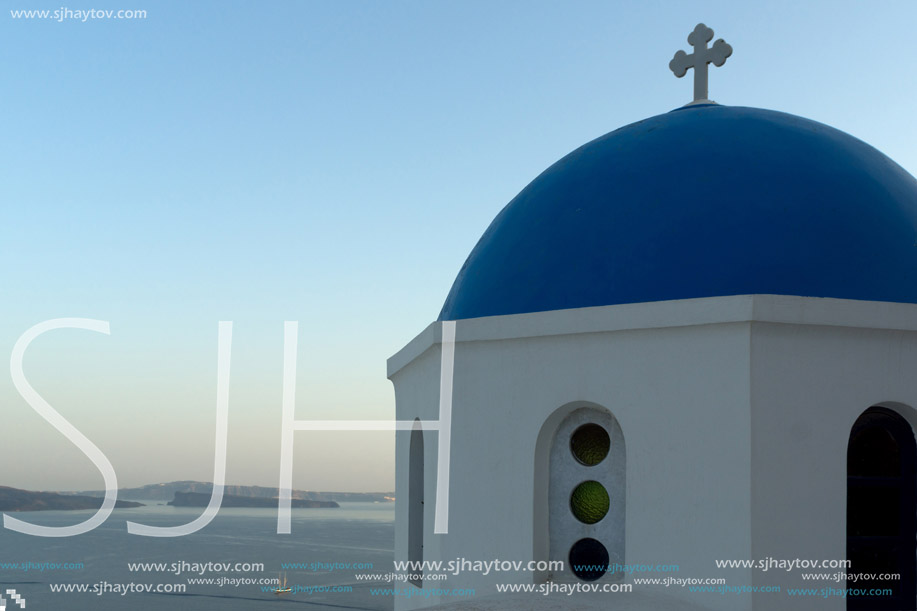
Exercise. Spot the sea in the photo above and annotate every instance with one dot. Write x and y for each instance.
(320, 560)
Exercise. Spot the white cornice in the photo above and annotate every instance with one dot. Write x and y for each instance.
(660, 314)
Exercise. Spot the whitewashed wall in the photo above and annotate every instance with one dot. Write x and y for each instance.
(735, 412)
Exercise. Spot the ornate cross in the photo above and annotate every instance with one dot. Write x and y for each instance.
(698, 60)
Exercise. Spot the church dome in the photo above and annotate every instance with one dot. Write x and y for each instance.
(703, 201)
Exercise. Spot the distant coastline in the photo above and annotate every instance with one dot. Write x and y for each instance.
(201, 499)
(179, 494)
(166, 492)
(15, 499)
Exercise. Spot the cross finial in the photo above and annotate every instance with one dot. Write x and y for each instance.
(698, 60)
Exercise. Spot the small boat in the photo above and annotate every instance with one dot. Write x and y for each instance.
(283, 588)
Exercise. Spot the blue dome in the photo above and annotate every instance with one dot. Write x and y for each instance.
(702, 201)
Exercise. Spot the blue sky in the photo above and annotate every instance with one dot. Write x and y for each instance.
(331, 163)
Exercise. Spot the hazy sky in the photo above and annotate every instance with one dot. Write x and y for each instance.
(333, 163)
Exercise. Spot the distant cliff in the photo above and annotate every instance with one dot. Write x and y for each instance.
(201, 499)
(14, 499)
(166, 492)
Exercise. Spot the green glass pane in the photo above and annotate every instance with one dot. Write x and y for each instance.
(589, 502)
(590, 444)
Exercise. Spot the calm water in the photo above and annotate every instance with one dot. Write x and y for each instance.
(354, 533)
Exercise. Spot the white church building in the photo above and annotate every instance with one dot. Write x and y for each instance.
(691, 339)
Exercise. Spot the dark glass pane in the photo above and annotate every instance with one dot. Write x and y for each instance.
(874, 556)
(590, 444)
(882, 509)
(877, 557)
(588, 559)
(873, 451)
(873, 510)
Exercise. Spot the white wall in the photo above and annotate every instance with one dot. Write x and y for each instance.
(680, 394)
(736, 412)
(810, 383)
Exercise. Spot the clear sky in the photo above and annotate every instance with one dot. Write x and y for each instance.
(333, 163)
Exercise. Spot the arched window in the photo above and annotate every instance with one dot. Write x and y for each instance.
(586, 494)
(881, 509)
(415, 502)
